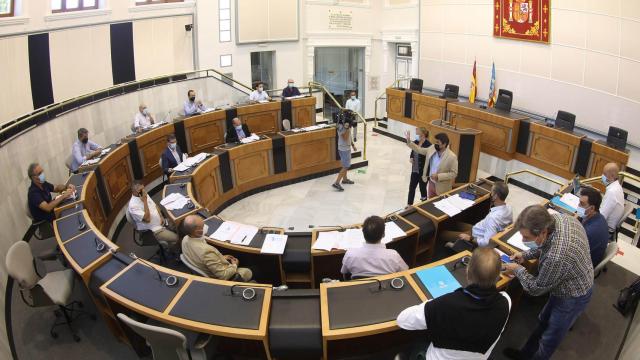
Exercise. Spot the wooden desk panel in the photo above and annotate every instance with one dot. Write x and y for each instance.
(150, 147)
(553, 150)
(261, 118)
(250, 163)
(303, 112)
(427, 108)
(92, 202)
(117, 174)
(306, 150)
(395, 104)
(601, 154)
(206, 183)
(204, 132)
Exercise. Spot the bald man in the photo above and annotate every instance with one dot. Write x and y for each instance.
(612, 207)
(467, 323)
(143, 118)
(206, 257)
(290, 90)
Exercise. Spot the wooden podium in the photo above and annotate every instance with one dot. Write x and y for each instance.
(465, 143)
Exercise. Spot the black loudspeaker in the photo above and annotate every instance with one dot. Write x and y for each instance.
(505, 98)
(416, 85)
(565, 120)
(451, 91)
(617, 138)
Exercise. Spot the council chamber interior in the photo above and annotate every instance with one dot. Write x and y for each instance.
(320, 179)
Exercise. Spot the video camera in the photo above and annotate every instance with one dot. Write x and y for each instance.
(344, 117)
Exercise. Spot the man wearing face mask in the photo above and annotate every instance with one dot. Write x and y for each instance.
(595, 225)
(41, 203)
(441, 169)
(143, 118)
(237, 131)
(353, 104)
(417, 164)
(172, 155)
(612, 207)
(83, 149)
(146, 215)
(259, 94)
(206, 257)
(290, 90)
(193, 106)
(564, 270)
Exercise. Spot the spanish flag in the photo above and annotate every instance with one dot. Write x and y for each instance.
(474, 85)
(492, 88)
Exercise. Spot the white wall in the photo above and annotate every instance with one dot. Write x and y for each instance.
(590, 68)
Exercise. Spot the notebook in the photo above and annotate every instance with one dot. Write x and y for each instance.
(438, 280)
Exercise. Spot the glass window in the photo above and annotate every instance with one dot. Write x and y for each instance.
(146, 2)
(7, 7)
(72, 5)
(224, 20)
(225, 60)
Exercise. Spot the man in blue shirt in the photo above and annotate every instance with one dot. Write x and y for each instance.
(594, 223)
(83, 149)
(290, 90)
(41, 204)
(193, 106)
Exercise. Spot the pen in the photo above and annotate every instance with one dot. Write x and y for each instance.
(244, 237)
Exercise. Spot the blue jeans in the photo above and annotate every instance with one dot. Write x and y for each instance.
(555, 319)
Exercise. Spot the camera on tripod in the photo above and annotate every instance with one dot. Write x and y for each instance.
(344, 117)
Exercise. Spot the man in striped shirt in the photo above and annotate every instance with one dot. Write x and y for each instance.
(564, 271)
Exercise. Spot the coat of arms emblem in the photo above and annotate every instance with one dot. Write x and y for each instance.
(521, 11)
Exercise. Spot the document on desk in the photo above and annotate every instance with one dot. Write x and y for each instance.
(392, 231)
(570, 200)
(105, 151)
(194, 160)
(244, 234)
(181, 167)
(459, 202)
(516, 241)
(225, 231)
(326, 240)
(91, 162)
(274, 244)
(250, 139)
(438, 280)
(351, 239)
(174, 201)
(446, 207)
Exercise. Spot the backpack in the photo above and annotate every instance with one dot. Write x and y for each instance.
(628, 298)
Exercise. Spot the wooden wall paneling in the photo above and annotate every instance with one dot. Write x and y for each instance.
(427, 108)
(395, 104)
(118, 176)
(205, 132)
(601, 154)
(150, 146)
(92, 203)
(206, 183)
(261, 118)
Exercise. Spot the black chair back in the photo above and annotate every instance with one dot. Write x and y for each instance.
(416, 85)
(451, 91)
(565, 120)
(617, 138)
(505, 99)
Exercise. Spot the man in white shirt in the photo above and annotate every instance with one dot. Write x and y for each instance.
(193, 106)
(353, 104)
(466, 237)
(467, 323)
(612, 207)
(143, 118)
(83, 149)
(259, 94)
(373, 258)
(146, 215)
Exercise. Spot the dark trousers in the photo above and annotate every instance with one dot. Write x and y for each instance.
(554, 321)
(416, 179)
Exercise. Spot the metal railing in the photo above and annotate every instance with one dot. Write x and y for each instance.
(382, 96)
(320, 86)
(511, 174)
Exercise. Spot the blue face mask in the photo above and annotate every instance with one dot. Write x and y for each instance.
(239, 127)
(417, 137)
(290, 85)
(604, 180)
(42, 178)
(353, 97)
(173, 146)
(581, 211)
(530, 244)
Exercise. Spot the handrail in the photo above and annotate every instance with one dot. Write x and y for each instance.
(299, 88)
(38, 112)
(319, 85)
(509, 175)
(375, 103)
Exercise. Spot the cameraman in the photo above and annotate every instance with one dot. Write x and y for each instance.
(343, 128)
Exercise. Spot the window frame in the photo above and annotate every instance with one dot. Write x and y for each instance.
(81, 7)
(156, 2)
(12, 9)
(220, 20)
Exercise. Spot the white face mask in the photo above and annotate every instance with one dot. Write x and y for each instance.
(145, 111)
(205, 230)
(417, 137)
(260, 89)
(353, 97)
(581, 211)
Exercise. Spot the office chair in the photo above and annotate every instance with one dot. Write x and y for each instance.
(565, 120)
(416, 84)
(168, 344)
(505, 99)
(194, 269)
(144, 238)
(67, 162)
(41, 230)
(609, 253)
(165, 177)
(628, 209)
(286, 124)
(617, 138)
(54, 288)
(450, 91)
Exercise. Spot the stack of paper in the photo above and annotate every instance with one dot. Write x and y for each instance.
(516, 241)
(459, 202)
(225, 231)
(274, 244)
(570, 200)
(552, 211)
(235, 232)
(181, 167)
(392, 231)
(174, 201)
(351, 239)
(194, 160)
(105, 151)
(446, 207)
(91, 162)
(327, 240)
(250, 139)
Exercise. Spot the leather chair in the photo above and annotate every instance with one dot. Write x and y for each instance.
(144, 238)
(168, 344)
(54, 288)
(67, 162)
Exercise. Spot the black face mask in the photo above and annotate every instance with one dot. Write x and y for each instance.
(192, 99)
(85, 140)
(437, 146)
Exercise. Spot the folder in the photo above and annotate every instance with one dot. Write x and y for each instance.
(438, 280)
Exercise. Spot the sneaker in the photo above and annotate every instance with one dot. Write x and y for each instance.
(347, 181)
(337, 186)
(512, 353)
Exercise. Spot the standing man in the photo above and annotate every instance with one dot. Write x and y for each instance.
(259, 94)
(353, 104)
(344, 151)
(417, 164)
(612, 207)
(146, 215)
(290, 90)
(172, 155)
(143, 118)
(441, 169)
(564, 270)
(41, 204)
(237, 132)
(83, 149)
(595, 225)
(193, 106)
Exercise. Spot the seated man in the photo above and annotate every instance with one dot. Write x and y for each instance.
(467, 323)
(612, 207)
(41, 204)
(147, 215)
(206, 257)
(373, 258)
(143, 118)
(259, 94)
(172, 155)
(193, 106)
(594, 223)
(467, 237)
(290, 90)
(83, 149)
(237, 132)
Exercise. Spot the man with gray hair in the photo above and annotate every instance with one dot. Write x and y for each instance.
(560, 244)
(83, 149)
(467, 323)
(143, 118)
(206, 257)
(41, 204)
(146, 215)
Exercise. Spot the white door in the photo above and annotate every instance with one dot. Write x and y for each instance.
(403, 71)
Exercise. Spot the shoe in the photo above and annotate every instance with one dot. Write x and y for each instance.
(423, 198)
(449, 245)
(347, 181)
(337, 186)
(355, 140)
(513, 353)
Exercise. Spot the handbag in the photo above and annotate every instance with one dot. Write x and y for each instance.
(628, 298)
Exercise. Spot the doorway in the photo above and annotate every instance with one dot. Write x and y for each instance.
(263, 68)
(340, 70)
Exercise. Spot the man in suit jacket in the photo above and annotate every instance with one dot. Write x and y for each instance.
(237, 132)
(172, 155)
(442, 167)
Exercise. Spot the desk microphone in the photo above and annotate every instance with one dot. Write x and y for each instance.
(99, 245)
(248, 293)
(116, 255)
(169, 280)
(464, 261)
(81, 225)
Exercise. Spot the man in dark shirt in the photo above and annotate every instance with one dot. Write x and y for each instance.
(595, 225)
(41, 204)
(237, 131)
(290, 90)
